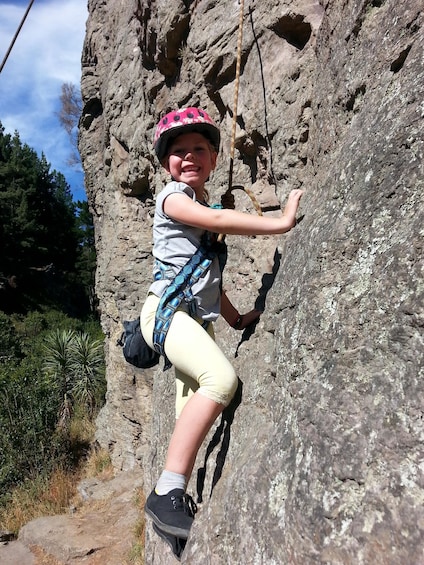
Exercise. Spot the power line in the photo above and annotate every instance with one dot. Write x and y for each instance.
(16, 35)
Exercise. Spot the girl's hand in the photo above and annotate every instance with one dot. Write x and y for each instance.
(292, 205)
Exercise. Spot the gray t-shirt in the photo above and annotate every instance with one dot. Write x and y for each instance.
(174, 244)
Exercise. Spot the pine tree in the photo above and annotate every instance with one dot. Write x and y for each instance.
(46, 239)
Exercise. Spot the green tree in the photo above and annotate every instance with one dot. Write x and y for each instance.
(57, 366)
(86, 256)
(31, 402)
(74, 365)
(28, 416)
(10, 350)
(47, 270)
(47, 241)
(37, 215)
(88, 374)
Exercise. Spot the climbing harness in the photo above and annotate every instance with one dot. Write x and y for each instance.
(179, 290)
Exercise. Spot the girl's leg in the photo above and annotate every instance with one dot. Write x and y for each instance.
(196, 357)
(190, 430)
(185, 385)
(195, 354)
(170, 511)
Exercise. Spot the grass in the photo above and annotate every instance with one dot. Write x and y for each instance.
(42, 496)
(99, 465)
(53, 494)
(57, 493)
(136, 556)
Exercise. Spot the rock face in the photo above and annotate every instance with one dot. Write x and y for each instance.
(320, 457)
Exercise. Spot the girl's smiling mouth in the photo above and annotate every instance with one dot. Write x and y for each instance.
(190, 169)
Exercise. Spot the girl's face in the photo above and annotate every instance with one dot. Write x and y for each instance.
(190, 159)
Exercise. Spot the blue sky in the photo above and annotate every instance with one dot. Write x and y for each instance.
(46, 54)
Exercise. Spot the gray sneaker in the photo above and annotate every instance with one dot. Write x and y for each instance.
(173, 513)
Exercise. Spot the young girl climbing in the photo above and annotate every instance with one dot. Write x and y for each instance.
(186, 144)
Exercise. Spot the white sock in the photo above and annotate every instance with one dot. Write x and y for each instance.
(168, 481)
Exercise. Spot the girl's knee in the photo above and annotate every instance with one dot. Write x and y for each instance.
(232, 388)
(221, 388)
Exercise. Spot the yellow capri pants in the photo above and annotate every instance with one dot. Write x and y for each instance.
(199, 363)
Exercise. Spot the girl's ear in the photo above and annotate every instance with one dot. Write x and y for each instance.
(214, 157)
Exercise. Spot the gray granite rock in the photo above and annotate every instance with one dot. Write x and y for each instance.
(320, 460)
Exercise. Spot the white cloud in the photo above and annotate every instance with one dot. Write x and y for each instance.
(47, 53)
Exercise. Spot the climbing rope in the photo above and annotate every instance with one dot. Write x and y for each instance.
(15, 36)
(250, 195)
(234, 126)
(236, 95)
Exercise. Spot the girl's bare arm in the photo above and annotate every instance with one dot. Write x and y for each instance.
(184, 210)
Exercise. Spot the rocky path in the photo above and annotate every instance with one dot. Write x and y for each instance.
(99, 532)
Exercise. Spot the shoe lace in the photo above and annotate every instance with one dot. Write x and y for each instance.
(190, 506)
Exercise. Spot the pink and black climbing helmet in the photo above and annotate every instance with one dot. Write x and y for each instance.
(184, 121)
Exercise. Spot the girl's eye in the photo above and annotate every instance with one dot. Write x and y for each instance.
(183, 151)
